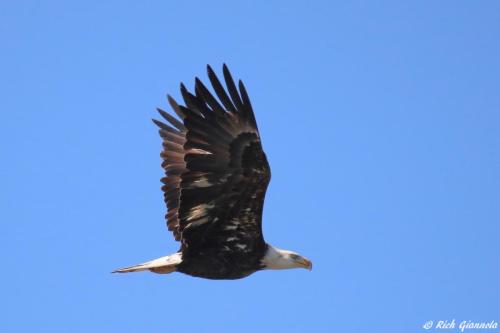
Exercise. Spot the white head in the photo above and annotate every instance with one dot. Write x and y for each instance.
(283, 259)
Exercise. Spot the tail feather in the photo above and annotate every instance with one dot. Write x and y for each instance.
(163, 265)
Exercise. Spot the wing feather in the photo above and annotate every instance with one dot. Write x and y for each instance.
(216, 171)
(203, 94)
(231, 87)
(220, 91)
(174, 122)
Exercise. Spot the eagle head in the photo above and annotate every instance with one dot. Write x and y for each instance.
(283, 259)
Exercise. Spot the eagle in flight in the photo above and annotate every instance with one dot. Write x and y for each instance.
(216, 176)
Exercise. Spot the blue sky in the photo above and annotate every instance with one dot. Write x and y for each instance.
(381, 121)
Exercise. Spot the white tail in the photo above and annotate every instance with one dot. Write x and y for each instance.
(163, 265)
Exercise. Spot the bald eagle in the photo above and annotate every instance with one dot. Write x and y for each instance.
(216, 180)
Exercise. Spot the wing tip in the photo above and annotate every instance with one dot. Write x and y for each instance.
(157, 123)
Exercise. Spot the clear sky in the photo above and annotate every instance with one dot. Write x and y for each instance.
(380, 119)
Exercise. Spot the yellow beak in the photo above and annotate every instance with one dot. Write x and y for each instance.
(304, 262)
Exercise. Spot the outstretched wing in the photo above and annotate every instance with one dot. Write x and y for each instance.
(216, 171)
